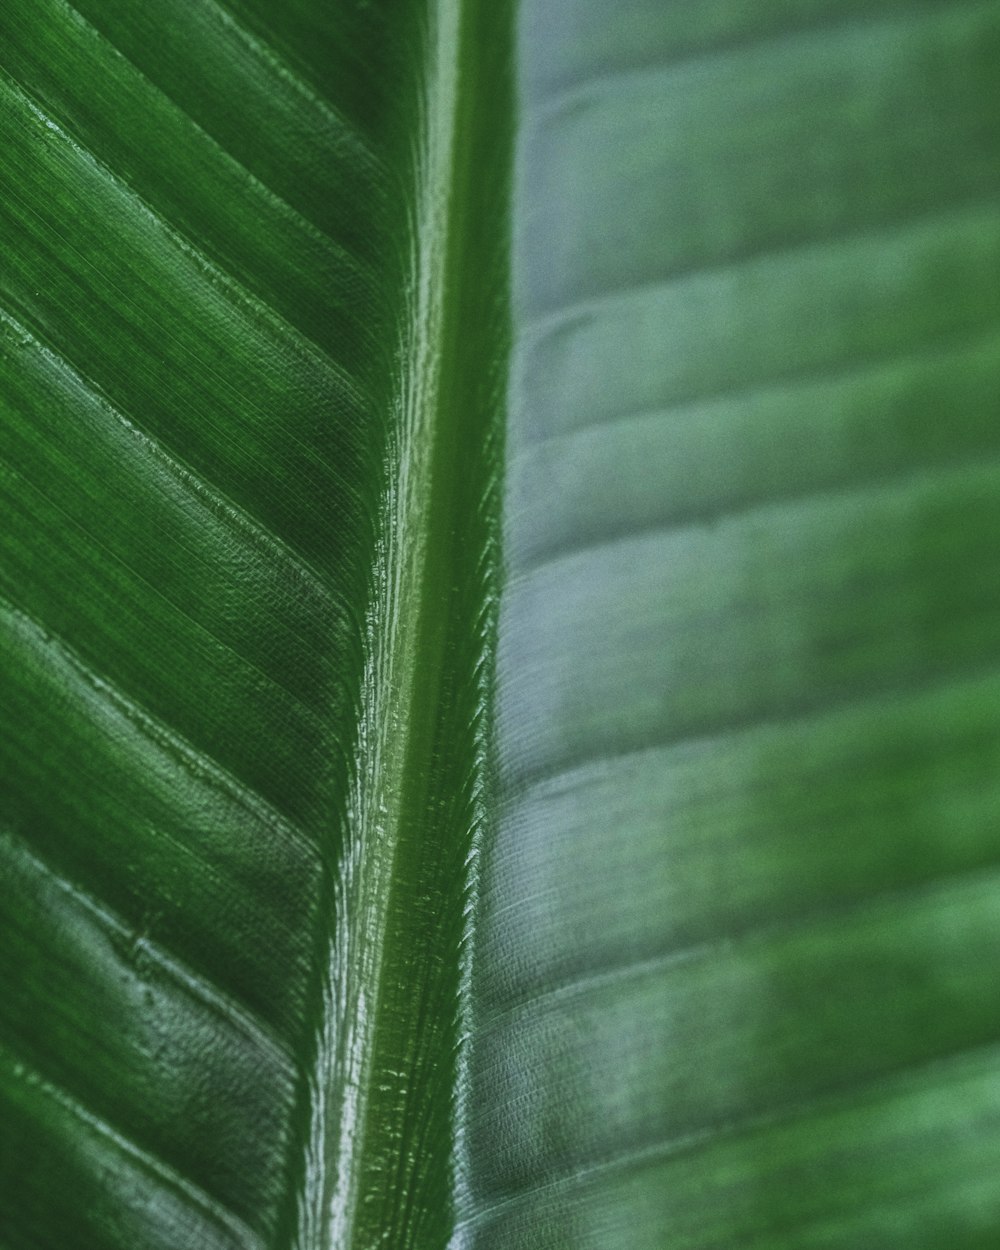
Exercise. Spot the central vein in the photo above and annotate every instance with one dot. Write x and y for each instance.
(350, 1144)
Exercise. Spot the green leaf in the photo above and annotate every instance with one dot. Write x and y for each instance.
(736, 959)
(357, 895)
(249, 460)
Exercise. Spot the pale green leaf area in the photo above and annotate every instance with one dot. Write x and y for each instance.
(499, 625)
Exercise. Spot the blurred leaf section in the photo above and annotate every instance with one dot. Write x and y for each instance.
(738, 931)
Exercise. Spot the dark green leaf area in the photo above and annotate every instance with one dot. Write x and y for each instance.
(225, 357)
(200, 315)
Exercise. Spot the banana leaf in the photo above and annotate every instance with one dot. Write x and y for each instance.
(499, 625)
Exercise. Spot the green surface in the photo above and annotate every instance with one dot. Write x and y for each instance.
(244, 592)
(499, 616)
(736, 974)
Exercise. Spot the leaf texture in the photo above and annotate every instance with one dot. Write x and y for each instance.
(735, 972)
(359, 897)
(248, 458)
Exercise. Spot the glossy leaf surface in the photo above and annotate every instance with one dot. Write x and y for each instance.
(240, 636)
(352, 901)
